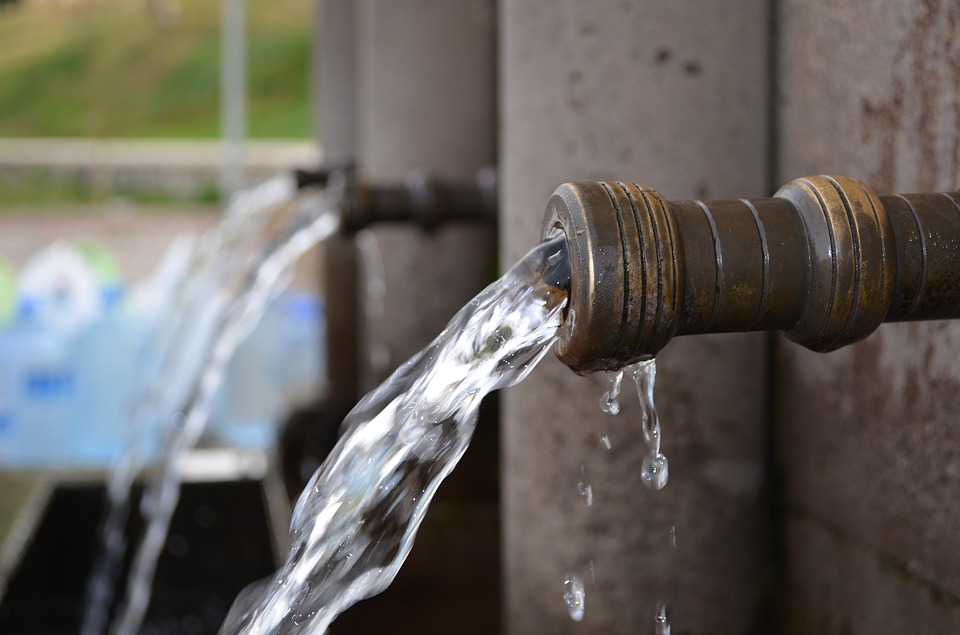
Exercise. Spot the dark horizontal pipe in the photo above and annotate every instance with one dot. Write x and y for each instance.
(826, 260)
(320, 176)
(422, 200)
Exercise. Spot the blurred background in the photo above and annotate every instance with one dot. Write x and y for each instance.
(124, 132)
(808, 493)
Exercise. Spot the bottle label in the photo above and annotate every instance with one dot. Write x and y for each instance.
(48, 384)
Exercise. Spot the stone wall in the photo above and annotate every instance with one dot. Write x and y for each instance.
(869, 442)
(673, 95)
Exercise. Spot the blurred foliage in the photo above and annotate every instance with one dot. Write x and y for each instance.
(148, 68)
(44, 189)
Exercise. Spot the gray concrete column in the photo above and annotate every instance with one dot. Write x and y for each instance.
(869, 435)
(673, 95)
(335, 80)
(426, 101)
(336, 104)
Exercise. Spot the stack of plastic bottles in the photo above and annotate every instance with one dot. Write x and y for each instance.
(74, 358)
(279, 367)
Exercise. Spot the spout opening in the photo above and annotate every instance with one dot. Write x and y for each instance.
(624, 273)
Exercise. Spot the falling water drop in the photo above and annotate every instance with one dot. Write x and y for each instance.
(661, 625)
(673, 536)
(586, 490)
(573, 596)
(605, 441)
(609, 402)
(654, 473)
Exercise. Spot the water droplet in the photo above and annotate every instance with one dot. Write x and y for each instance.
(673, 536)
(654, 471)
(586, 492)
(585, 489)
(573, 596)
(593, 572)
(605, 441)
(609, 402)
(661, 625)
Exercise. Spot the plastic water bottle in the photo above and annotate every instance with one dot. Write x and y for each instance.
(250, 404)
(62, 285)
(41, 384)
(104, 354)
(6, 405)
(304, 349)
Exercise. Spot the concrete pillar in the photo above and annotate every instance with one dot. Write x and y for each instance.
(335, 85)
(673, 95)
(336, 101)
(869, 437)
(426, 101)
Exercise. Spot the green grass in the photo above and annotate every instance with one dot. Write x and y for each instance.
(39, 190)
(106, 68)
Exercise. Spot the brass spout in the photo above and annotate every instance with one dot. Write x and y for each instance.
(826, 260)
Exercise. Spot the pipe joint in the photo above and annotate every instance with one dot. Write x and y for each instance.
(851, 266)
(422, 200)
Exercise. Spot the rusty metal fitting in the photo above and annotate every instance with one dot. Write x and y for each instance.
(323, 175)
(424, 200)
(825, 260)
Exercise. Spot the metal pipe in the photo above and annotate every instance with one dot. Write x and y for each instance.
(423, 199)
(826, 260)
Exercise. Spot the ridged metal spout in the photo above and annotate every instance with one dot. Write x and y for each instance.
(826, 260)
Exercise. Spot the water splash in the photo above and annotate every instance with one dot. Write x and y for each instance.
(661, 624)
(609, 402)
(355, 522)
(585, 489)
(654, 470)
(220, 297)
(573, 596)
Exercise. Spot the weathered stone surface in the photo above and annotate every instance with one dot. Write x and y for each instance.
(673, 96)
(621, 545)
(839, 586)
(425, 101)
(870, 443)
(871, 90)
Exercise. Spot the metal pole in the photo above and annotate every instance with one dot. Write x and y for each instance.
(233, 103)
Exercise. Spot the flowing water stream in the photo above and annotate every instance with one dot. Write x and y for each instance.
(215, 301)
(355, 522)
